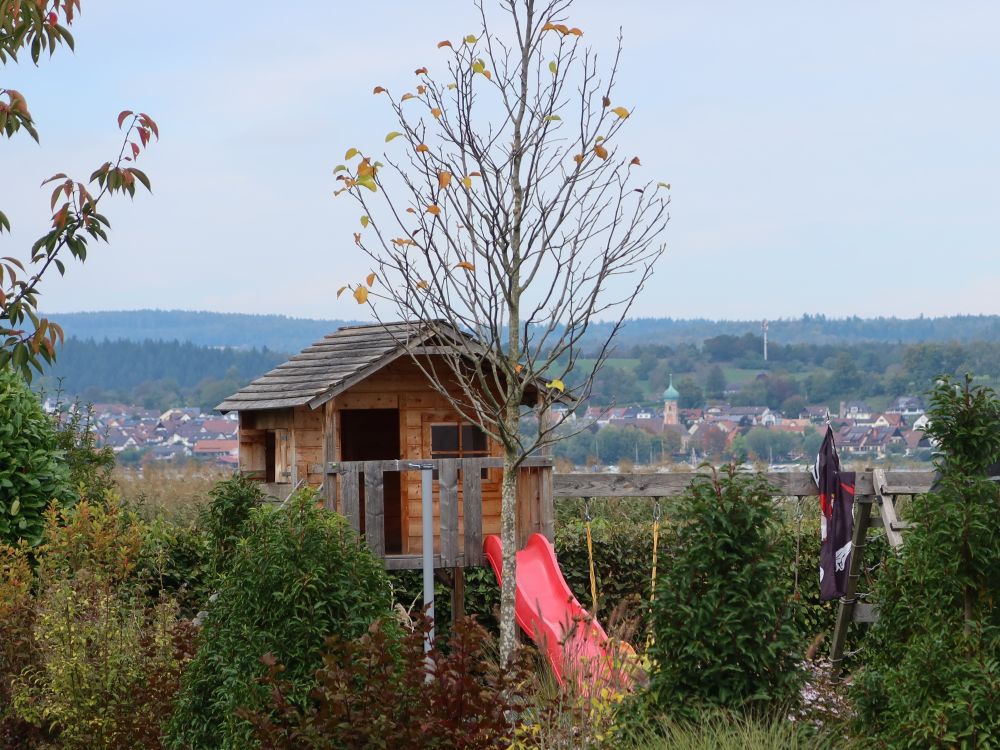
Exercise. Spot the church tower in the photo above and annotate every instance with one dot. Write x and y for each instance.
(670, 399)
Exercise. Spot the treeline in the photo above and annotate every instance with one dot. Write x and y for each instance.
(276, 332)
(155, 374)
(794, 374)
(808, 329)
(282, 333)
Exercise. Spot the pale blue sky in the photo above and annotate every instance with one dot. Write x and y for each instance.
(813, 148)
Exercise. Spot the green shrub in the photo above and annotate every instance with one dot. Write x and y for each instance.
(299, 576)
(226, 518)
(32, 469)
(177, 559)
(383, 691)
(932, 661)
(91, 468)
(724, 615)
(623, 559)
(101, 667)
(482, 597)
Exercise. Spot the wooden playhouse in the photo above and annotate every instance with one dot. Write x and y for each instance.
(356, 416)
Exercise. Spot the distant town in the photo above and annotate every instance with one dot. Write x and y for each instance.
(138, 435)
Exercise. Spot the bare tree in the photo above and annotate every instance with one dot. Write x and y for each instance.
(510, 214)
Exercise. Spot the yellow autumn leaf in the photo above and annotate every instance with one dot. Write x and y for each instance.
(370, 279)
(466, 265)
(368, 182)
(487, 75)
(575, 31)
(406, 96)
(351, 153)
(471, 39)
(467, 181)
(393, 134)
(365, 169)
(434, 209)
(518, 368)
(549, 27)
(420, 71)
(357, 239)
(340, 291)
(361, 294)
(436, 112)
(621, 112)
(421, 89)
(364, 221)
(423, 285)
(558, 385)
(452, 86)
(422, 148)
(478, 66)
(562, 28)
(378, 90)
(444, 178)
(445, 43)
(601, 152)
(552, 118)
(578, 158)
(663, 184)
(553, 68)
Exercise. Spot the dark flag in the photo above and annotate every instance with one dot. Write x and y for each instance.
(836, 500)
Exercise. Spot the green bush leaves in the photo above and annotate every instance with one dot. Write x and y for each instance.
(299, 576)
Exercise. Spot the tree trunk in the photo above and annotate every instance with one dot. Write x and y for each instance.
(508, 542)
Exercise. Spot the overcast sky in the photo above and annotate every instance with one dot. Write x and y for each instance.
(840, 158)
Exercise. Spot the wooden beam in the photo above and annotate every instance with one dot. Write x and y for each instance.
(472, 506)
(457, 595)
(448, 508)
(375, 507)
(350, 500)
(845, 610)
(674, 483)
(887, 511)
(330, 454)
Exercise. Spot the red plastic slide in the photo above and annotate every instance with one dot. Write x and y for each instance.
(548, 612)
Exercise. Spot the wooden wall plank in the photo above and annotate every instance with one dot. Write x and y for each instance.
(472, 511)
(375, 507)
(349, 497)
(330, 455)
(448, 503)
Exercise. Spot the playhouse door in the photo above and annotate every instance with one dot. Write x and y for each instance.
(373, 435)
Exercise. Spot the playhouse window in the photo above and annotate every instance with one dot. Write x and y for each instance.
(455, 440)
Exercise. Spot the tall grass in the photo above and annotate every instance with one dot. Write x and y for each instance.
(171, 491)
(728, 732)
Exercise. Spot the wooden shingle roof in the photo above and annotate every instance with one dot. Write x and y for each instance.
(328, 367)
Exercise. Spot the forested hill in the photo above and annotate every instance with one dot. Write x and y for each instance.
(276, 332)
(813, 329)
(285, 334)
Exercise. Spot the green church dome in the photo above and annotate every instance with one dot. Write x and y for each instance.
(671, 393)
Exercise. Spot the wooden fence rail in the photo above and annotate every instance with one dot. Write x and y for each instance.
(792, 484)
(451, 553)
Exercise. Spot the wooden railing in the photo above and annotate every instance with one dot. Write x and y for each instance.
(450, 554)
(536, 510)
(786, 484)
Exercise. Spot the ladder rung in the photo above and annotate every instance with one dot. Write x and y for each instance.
(875, 522)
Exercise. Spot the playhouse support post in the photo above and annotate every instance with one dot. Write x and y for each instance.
(457, 595)
(427, 513)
